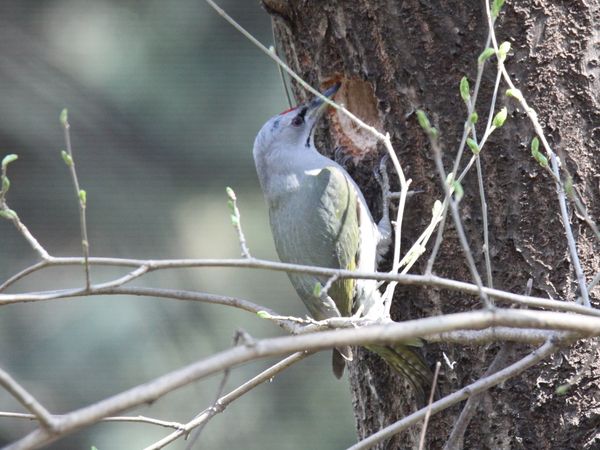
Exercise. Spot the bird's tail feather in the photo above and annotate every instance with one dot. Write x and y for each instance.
(338, 360)
(409, 364)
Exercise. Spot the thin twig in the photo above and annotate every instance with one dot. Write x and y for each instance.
(594, 281)
(279, 69)
(236, 221)
(152, 390)
(325, 290)
(532, 115)
(428, 413)
(460, 426)
(496, 334)
(131, 419)
(226, 400)
(486, 233)
(28, 401)
(458, 225)
(239, 336)
(404, 279)
(468, 127)
(23, 273)
(33, 242)
(81, 195)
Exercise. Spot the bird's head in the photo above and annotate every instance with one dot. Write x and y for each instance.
(292, 128)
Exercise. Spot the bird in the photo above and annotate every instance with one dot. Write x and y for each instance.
(319, 217)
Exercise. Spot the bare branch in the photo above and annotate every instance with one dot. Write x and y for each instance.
(23, 273)
(226, 400)
(404, 279)
(495, 334)
(236, 221)
(132, 419)
(27, 400)
(152, 390)
(458, 223)
(35, 245)
(428, 413)
(80, 193)
(240, 336)
(460, 426)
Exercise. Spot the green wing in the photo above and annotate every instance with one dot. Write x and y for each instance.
(317, 224)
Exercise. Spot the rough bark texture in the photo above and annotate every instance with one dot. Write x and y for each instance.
(412, 55)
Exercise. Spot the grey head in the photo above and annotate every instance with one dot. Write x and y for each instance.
(289, 135)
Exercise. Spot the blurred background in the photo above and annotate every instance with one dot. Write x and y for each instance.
(164, 101)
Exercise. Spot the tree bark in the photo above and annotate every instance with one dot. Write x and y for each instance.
(394, 57)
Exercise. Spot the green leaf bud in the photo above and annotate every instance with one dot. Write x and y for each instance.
(66, 158)
(500, 118)
(8, 214)
(8, 159)
(496, 7)
(465, 92)
(64, 117)
(503, 50)
(485, 55)
(458, 190)
(473, 146)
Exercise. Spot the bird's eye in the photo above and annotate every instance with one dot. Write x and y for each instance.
(299, 119)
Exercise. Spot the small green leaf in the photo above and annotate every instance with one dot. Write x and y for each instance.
(423, 121)
(8, 214)
(496, 7)
(485, 55)
(465, 90)
(234, 220)
(537, 155)
(317, 289)
(514, 93)
(230, 194)
(66, 158)
(8, 159)
(5, 185)
(458, 191)
(500, 117)
(473, 146)
(474, 117)
(569, 186)
(503, 50)
(83, 197)
(263, 315)
(64, 117)
(562, 389)
(535, 145)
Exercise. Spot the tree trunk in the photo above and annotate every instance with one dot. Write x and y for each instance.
(394, 57)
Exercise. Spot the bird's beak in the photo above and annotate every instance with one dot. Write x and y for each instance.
(317, 106)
